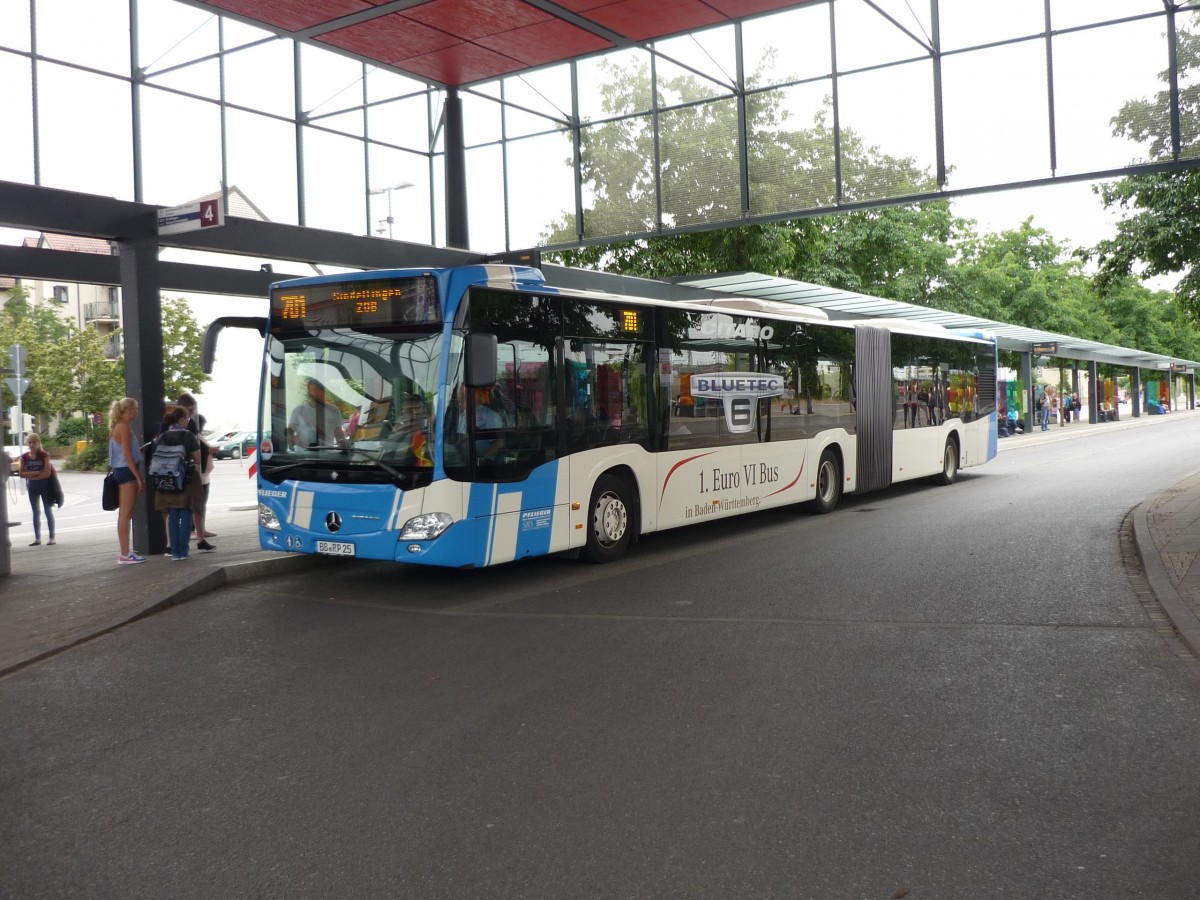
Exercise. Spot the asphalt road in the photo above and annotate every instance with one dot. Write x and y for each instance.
(951, 692)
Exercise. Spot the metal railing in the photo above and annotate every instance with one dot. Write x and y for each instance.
(101, 309)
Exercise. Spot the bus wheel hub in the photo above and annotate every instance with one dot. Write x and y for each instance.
(611, 519)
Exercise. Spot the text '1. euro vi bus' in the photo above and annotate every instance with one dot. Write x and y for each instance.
(476, 415)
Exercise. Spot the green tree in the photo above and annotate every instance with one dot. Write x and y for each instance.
(901, 252)
(37, 328)
(1024, 277)
(1159, 233)
(81, 379)
(183, 340)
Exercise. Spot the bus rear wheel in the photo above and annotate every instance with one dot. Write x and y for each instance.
(949, 473)
(829, 484)
(610, 520)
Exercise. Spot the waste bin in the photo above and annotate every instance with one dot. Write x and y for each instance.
(80, 446)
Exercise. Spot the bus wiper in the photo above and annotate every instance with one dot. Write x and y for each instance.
(376, 457)
(283, 467)
(402, 478)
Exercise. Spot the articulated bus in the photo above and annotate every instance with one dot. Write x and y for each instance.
(477, 415)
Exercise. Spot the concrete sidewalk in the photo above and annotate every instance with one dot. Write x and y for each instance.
(60, 596)
(63, 595)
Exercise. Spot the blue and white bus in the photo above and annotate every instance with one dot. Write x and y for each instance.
(474, 416)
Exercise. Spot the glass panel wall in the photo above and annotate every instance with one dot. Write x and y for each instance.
(656, 122)
(174, 171)
(85, 132)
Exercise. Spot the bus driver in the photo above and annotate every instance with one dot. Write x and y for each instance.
(316, 421)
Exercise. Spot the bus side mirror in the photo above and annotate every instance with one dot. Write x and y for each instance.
(481, 360)
(208, 352)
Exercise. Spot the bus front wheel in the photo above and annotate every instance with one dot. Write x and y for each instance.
(609, 521)
(829, 484)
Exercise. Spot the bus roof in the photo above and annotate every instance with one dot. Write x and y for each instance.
(532, 279)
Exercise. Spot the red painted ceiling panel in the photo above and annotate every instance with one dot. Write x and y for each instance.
(390, 39)
(292, 15)
(742, 8)
(641, 21)
(546, 42)
(580, 6)
(471, 19)
(462, 64)
(455, 42)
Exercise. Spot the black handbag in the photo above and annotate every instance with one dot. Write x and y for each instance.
(56, 492)
(110, 496)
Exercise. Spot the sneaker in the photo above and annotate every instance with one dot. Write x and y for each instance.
(130, 560)
(205, 546)
(36, 543)
(181, 558)
(135, 555)
(52, 542)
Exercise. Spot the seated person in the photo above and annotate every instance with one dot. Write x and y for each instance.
(487, 417)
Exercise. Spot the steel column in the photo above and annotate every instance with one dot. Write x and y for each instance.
(1030, 393)
(1093, 388)
(141, 313)
(456, 174)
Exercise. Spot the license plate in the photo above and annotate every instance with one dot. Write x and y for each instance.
(335, 548)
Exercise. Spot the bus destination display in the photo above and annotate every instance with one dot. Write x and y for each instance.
(356, 304)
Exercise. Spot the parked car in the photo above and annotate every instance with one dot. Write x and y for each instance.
(13, 452)
(240, 445)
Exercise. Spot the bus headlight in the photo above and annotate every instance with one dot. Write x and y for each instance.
(267, 518)
(425, 527)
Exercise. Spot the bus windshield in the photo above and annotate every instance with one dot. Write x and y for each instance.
(343, 405)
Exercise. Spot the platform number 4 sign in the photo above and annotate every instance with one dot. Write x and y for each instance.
(210, 213)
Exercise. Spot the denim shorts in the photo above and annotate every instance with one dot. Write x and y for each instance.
(123, 475)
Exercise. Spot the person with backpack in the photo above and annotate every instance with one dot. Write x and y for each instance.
(199, 498)
(174, 473)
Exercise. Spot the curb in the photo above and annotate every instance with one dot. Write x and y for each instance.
(1179, 612)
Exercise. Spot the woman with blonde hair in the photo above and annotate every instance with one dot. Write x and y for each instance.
(125, 460)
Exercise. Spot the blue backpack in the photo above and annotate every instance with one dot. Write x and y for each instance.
(168, 468)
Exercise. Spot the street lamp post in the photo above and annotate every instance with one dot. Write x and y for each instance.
(388, 190)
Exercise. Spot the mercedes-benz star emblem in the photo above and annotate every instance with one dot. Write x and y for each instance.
(333, 522)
